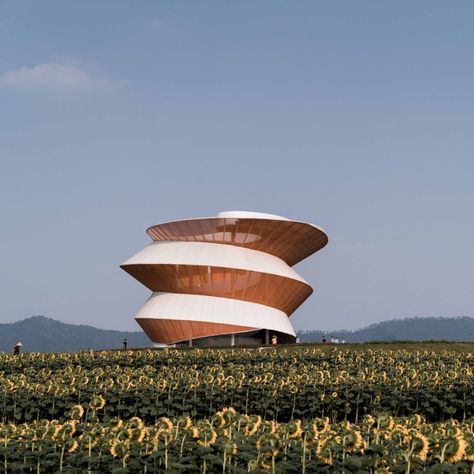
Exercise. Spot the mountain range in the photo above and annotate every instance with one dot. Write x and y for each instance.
(410, 329)
(43, 334)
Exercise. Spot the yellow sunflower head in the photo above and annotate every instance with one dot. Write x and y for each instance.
(253, 425)
(268, 444)
(115, 423)
(352, 441)
(228, 414)
(294, 429)
(326, 447)
(76, 412)
(97, 402)
(165, 424)
(217, 420)
(119, 449)
(71, 445)
(319, 426)
(419, 445)
(185, 422)
(454, 448)
(134, 423)
(67, 429)
(230, 448)
(207, 436)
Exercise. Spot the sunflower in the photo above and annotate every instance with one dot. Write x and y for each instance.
(97, 430)
(293, 388)
(319, 426)
(184, 422)
(230, 448)
(469, 438)
(76, 412)
(115, 423)
(294, 429)
(52, 430)
(324, 449)
(67, 429)
(452, 374)
(151, 443)
(273, 426)
(345, 424)
(420, 445)
(88, 439)
(268, 444)
(454, 449)
(134, 423)
(352, 441)
(161, 384)
(97, 402)
(217, 420)
(416, 420)
(208, 379)
(385, 422)
(399, 435)
(119, 449)
(253, 425)
(229, 414)
(71, 445)
(124, 435)
(137, 434)
(165, 424)
(207, 436)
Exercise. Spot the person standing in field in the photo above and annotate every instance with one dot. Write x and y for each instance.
(274, 339)
(125, 343)
(16, 348)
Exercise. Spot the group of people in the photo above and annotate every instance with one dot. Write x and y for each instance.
(334, 340)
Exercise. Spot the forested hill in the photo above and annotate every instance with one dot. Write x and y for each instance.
(412, 329)
(39, 333)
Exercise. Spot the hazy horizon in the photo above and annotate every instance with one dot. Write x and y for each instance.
(138, 329)
(354, 116)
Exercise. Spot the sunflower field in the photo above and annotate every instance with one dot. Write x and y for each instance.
(238, 410)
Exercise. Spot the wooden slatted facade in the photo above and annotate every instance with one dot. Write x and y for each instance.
(289, 241)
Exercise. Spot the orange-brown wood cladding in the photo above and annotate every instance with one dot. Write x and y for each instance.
(276, 291)
(289, 240)
(169, 331)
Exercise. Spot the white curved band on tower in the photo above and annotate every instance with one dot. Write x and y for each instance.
(229, 274)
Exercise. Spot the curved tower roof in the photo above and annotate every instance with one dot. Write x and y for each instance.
(223, 275)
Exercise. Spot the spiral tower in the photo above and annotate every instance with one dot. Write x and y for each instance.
(225, 279)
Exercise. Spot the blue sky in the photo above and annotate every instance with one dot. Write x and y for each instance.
(356, 116)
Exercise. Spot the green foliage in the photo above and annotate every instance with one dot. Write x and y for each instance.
(296, 409)
(280, 384)
(232, 442)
